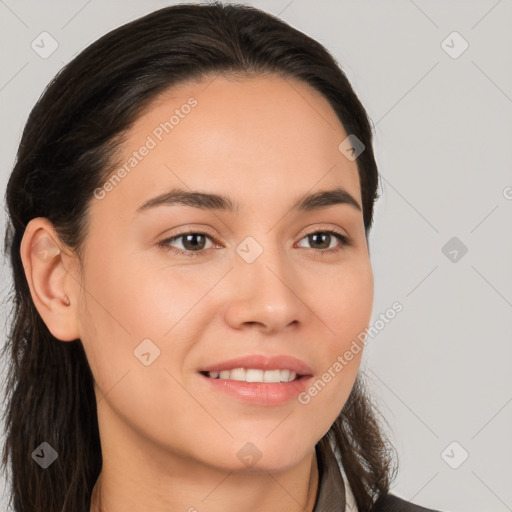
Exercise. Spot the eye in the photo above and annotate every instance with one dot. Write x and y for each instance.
(325, 241)
(192, 243)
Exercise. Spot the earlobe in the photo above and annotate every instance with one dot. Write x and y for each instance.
(52, 288)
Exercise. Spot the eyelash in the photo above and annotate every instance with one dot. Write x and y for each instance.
(164, 244)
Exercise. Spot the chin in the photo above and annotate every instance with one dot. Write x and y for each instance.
(272, 456)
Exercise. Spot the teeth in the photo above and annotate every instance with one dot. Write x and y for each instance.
(254, 375)
(272, 376)
(237, 374)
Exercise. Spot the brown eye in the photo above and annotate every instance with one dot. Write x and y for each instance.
(320, 240)
(193, 242)
(188, 243)
(325, 241)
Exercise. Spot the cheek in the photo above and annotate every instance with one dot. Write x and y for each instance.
(119, 311)
(344, 304)
(122, 307)
(126, 303)
(343, 301)
(130, 300)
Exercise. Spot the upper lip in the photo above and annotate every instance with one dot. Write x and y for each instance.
(262, 362)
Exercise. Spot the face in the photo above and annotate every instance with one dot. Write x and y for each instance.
(185, 288)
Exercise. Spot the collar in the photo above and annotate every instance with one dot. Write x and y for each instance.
(331, 488)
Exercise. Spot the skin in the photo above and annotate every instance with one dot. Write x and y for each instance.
(168, 441)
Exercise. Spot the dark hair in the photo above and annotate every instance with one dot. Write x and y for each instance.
(67, 150)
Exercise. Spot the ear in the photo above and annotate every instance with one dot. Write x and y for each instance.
(51, 274)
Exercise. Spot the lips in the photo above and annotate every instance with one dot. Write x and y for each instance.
(258, 379)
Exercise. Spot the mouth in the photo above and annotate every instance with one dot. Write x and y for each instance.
(259, 379)
(254, 375)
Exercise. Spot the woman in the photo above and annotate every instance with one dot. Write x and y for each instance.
(190, 211)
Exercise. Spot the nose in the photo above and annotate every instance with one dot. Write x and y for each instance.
(265, 295)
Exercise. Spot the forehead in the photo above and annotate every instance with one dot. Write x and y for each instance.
(254, 137)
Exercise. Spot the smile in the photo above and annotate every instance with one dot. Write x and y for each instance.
(254, 375)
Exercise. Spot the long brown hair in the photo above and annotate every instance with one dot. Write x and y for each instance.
(67, 151)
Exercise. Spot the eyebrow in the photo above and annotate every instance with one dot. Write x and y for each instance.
(207, 201)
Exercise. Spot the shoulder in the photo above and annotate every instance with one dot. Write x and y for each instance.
(392, 503)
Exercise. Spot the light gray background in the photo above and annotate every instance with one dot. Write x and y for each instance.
(440, 370)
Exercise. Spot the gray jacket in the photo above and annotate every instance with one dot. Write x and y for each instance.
(331, 490)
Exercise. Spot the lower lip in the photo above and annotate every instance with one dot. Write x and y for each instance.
(260, 393)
